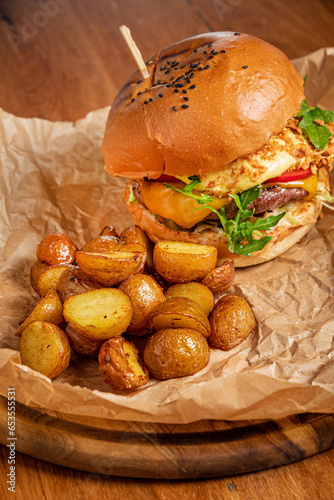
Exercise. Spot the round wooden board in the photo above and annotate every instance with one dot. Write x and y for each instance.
(145, 450)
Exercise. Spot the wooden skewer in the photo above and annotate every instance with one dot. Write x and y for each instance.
(134, 50)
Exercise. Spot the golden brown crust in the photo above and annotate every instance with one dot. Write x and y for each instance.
(252, 90)
(284, 235)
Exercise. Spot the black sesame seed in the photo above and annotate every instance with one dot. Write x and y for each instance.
(191, 75)
(161, 95)
(168, 85)
(184, 106)
(192, 86)
(195, 50)
(154, 85)
(171, 78)
(186, 98)
(182, 67)
(210, 45)
(184, 91)
(206, 67)
(167, 71)
(150, 99)
(176, 90)
(174, 108)
(210, 57)
(236, 33)
(139, 93)
(205, 52)
(132, 100)
(245, 66)
(214, 52)
(223, 51)
(145, 102)
(168, 62)
(158, 82)
(200, 68)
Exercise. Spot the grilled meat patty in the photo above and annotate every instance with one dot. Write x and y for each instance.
(269, 199)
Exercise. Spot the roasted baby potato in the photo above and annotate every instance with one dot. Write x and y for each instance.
(179, 312)
(82, 345)
(232, 320)
(103, 244)
(45, 348)
(112, 268)
(99, 314)
(121, 365)
(72, 282)
(195, 291)
(49, 278)
(176, 352)
(48, 309)
(37, 269)
(56, 248)
(109, 231)
(145, 295)
(180, 262)
(221, 278)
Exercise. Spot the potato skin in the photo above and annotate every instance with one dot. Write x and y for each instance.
(221, 278)
(73, 282)
(48, 308)
(82, 345)
(36, 270)
(195, 291)
(56, 248)
(179, 312)
(121, 365)
(145, 295)
(176, 352)
(232, 320)
(103, 244)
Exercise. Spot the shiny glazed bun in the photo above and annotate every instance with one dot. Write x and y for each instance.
(209, 100)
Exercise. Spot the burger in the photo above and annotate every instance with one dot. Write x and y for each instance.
(221, 147)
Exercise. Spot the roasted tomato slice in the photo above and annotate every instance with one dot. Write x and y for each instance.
(294, 175)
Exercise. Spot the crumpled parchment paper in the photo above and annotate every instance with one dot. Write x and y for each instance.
(53, 179)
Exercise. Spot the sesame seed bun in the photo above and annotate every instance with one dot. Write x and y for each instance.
(304, 215)
(209, 100)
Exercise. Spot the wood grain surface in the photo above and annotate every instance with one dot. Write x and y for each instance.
(63, 58)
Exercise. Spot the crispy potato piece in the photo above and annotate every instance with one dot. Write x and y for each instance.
(45, 348)
(82, 345)
(109, 231)
(49, 309)
(103, 244)
(49, 278)
(173, 353)
(56, 248)
(221, 278)
(111, 269)
(179, 312)
(145, 295)
(72, 282)
(135, 234)
(181, 262)
(36, 270)
(99, 314)
(121, 365)
(195, 291)
(232, 320)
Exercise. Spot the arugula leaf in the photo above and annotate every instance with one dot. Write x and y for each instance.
(319, 135)
(237, 229)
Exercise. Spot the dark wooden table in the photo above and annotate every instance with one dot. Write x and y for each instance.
(63, 58)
